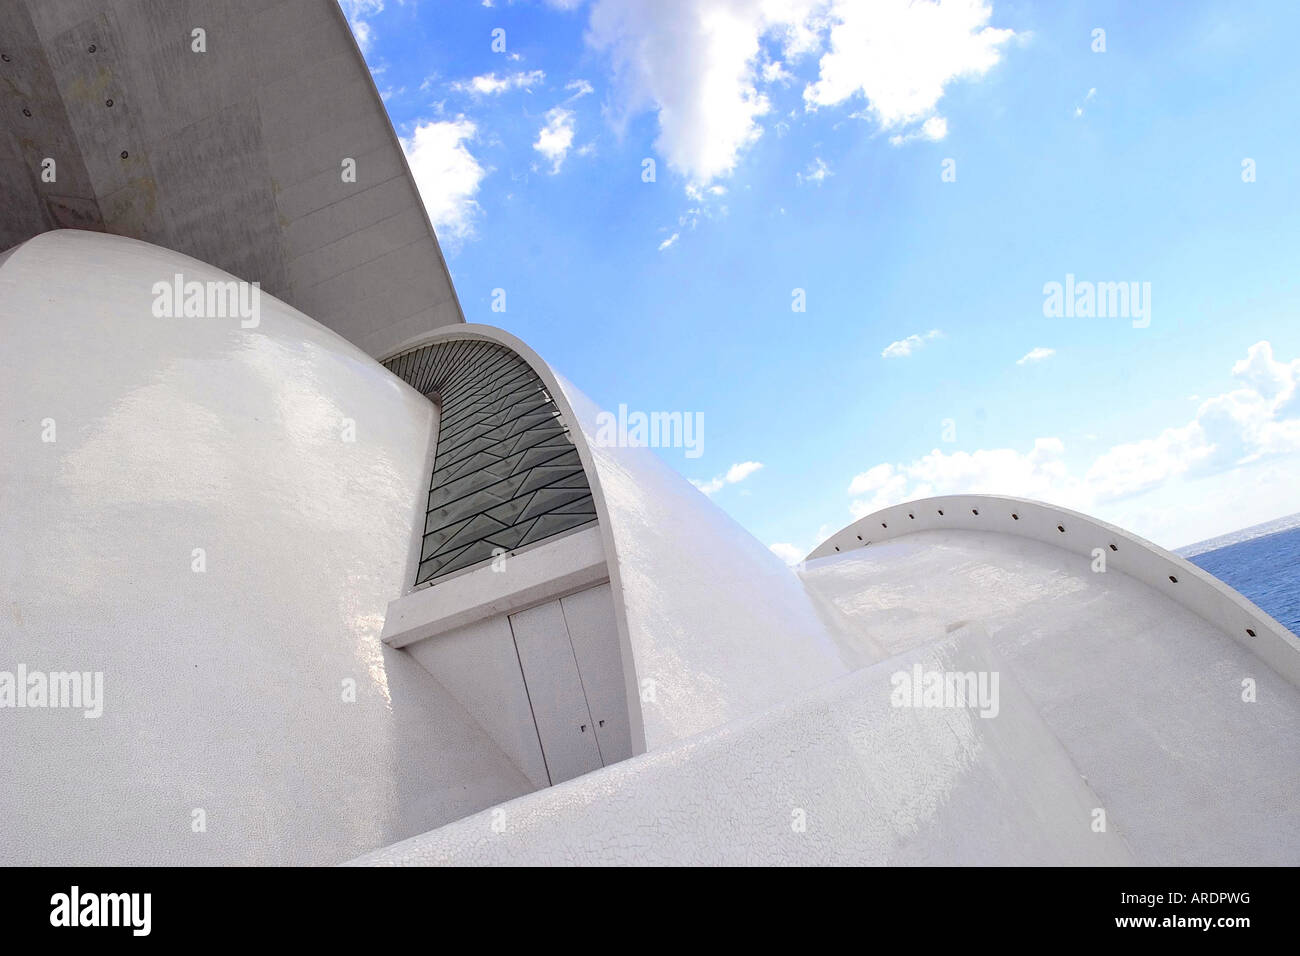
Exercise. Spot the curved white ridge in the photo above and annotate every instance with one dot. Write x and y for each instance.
(1091, 540)
(200, 531)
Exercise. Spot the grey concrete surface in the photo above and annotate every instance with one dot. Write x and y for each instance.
(233, 155)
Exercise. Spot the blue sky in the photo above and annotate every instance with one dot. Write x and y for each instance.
(802, 144)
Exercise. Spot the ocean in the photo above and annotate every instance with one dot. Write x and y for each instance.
(1262, 562)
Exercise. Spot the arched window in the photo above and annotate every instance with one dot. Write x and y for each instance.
(506, 473)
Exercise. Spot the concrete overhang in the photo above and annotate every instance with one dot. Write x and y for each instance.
(116, 118)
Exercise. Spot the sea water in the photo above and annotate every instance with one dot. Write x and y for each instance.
(1262, 562)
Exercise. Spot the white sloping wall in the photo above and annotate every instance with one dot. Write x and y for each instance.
(226, 689)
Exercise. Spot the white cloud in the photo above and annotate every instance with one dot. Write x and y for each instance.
(742, 470)
(905, 347)
(1092, 92)
(556, 137)
(447, 175)
(774, 71)
(1035, 355)
(361, 30)
(579, 88)
(735, 474)
(816, 172)
(701, 193)
(698, 65)
(793, 554)
(489, 84)
(669, 241)
(1039, 473)
(787, 552)
(900, 54)
(695, 68)
(1134, 467)
(356, 11)
(933, 129)
(1274, 380)
(873, 479)
(1259, 420)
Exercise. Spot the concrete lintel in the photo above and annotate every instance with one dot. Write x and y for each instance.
(553, 569)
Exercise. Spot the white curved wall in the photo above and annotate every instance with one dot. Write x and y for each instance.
(718, 623)
(223, 689)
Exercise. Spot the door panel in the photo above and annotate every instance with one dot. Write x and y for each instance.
(555, 692)
(589, 615)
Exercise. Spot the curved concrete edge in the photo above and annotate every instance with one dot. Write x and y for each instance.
(488, 333)
(1175, 577)
(401, 154)
(360, 256)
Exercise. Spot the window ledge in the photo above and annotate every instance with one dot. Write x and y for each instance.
(550, 570)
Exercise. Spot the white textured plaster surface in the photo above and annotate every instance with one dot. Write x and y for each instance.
(222, 689)
(837, 776)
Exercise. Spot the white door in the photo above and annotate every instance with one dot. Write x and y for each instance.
(589, 616)
(555, 692)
